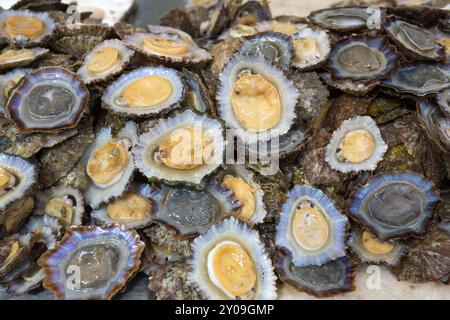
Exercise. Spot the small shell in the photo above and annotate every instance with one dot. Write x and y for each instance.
(8, 81)
(321, 49)
(16, 58)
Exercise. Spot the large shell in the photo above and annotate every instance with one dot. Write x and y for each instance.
(333, 244)
(420, 79)
(394, 205)
(329, 279)
(45, 27)
(124, 56)
(149, 143)
(362, 58)
(130, 221)
(48, 99)
(95, 194)
(348, 18)
(414, 40)
(191, 212)
(114, 98)
(92, 262)
(232, 231)
(286, 92)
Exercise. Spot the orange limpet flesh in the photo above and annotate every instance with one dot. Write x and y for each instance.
(445, 42)
(129, 207)
(147, 91)
(166, 46)
(107, 162)
(234, 269)
(286, 28)
(357, 146)
(30, 27)
(310, 227)
(304, 48)
(244, 193)
(185, 149)
(5, 177)
(59, 209)
(375, 246)
(103, 60)
(16, 55)
(256, 103)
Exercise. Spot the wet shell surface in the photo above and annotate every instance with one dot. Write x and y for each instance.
(394, 205)
(369, 249)
(311, 48)
(105, 61)
(15, 58)
(327, 280)
(183, 148)
(192, 212)
(420, 79)
(133, 209)
(366, 58)
(103, 259)
(17, 176)
(256, 99)
(109, 164)
(229, 262)
(26, 28)
(356, 145)
(145, 91)
(48, 99)
(311, 229)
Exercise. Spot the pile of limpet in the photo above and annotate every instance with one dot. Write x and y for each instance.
(113, 141)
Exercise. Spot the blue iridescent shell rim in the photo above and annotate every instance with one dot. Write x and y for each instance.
(43, 74)
(410, 177)
(336, 250)
(74, 236)
(379, 43)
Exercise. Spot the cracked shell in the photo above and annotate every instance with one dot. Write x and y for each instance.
(181, 149)
(310, 227)
(26, 28)
(256, 99)
(357, 145)
(105, 61)
(46, 100)
(394, 205)
(144, 92)
(109, 165)
(231, 244)
(106, 257)
(362, 58)
(133, 209)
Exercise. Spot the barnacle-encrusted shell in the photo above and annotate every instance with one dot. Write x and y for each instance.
(329, 279)
(347, 19)
(132, 210)
(369, 249)
(414, 40)
(256, 99)
(183, 148)
(356, 145)
(48, 99)
(394, 205)
(365, 57)
(435, 123)
(104, 259)
(108, 162)
(310, 227)
(311, 48)
(16, 58)
(8, 81)
(17, 176)
(105, 61)
(275, 47)
(167, 48)
(229, 262)
(145, 91)
(66, 204)
(192, 212)
(23, 27)
(246, 190)
(420, 78)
